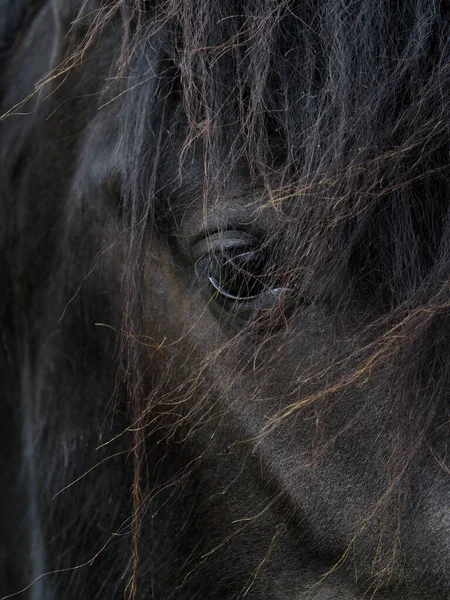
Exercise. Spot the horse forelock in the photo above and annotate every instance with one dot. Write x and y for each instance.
(338, 113)
(338, 116)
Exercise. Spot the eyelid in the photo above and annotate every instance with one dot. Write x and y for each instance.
(223, 240)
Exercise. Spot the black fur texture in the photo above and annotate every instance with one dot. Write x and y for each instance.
(225, 309)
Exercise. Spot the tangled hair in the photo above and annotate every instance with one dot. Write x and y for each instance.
(338, 111)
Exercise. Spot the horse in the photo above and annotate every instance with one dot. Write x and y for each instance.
(224, 316)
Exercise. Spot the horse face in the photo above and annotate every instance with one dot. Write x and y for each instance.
(271, 459)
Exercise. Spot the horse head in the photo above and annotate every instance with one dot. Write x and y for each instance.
(225, 304)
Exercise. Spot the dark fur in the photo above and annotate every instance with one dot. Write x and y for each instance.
(297, 452)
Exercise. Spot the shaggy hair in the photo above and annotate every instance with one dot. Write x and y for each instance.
(339, 111)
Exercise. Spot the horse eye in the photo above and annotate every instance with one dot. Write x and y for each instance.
(240, 274)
